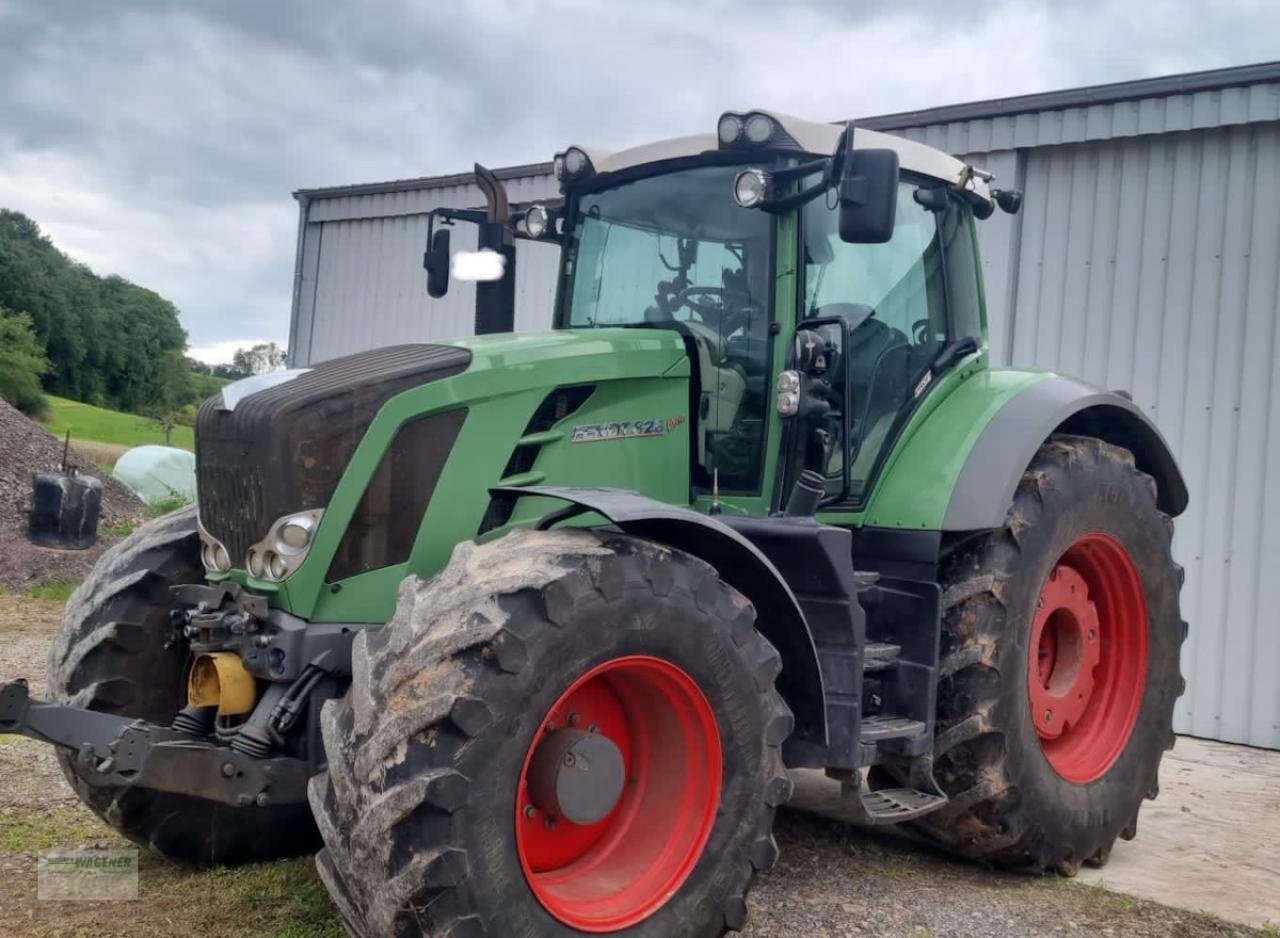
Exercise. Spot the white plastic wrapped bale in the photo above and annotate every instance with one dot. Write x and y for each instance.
(158, 473)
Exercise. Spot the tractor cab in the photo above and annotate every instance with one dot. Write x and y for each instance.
(754, 244)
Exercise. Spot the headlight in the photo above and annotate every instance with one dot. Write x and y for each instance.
(537, 220)
(729, 128)
(212, 554)
(751, 187)
(285, 547)
(788, 400)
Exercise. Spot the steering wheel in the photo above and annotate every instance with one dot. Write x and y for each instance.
(714, 301)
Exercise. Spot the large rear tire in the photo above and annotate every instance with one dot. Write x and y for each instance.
(110, 655)
(433, 809)
(1060, 665)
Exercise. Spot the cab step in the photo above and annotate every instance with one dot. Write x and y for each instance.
(882, 726)
(880, 656)
(895, 805)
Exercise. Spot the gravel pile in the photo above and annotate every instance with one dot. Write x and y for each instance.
(27, 448)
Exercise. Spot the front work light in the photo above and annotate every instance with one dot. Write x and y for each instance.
(537, 221)
(759, 129)
(729, 129)
(751, 187)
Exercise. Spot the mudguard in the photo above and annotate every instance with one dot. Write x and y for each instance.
(987, 482)
(739, 563)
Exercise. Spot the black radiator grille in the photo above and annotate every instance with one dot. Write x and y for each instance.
(285, 448)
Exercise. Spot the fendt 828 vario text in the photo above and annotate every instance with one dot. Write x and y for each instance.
(523, 631)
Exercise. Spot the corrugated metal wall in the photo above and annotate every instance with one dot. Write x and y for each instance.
(1151, 264)
(361, 279)
(1146, 257)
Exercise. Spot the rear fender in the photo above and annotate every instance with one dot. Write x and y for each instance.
(740, 564)
(985, 487)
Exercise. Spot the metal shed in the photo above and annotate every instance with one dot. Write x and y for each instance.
(1146, 257)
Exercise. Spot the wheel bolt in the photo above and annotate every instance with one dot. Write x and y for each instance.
(1048, 716)
(530, 810)
(573, 719)
(228, 769)
(551, 823)
(593, 728)
(1092, 635)
(569, 760)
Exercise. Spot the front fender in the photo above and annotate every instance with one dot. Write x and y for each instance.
(740, 564)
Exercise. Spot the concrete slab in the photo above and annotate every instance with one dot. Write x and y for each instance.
(1210, 842)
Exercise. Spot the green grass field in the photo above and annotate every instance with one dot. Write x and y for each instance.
(97, 425)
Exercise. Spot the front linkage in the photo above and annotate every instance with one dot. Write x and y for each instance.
(114, 751)
(258, 753)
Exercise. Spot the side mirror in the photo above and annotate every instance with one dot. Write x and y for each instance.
(436, 261)
(868, 196)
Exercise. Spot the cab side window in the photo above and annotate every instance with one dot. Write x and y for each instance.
(891, 298)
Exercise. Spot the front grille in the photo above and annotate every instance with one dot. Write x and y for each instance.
(284, 449)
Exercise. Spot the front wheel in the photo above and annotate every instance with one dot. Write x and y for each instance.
(562, 732)
(1061, 640)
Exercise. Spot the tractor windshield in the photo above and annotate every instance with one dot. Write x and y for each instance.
(676, 251)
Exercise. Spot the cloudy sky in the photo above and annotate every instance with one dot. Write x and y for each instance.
(162, 141)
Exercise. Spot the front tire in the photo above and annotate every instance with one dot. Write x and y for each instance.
(1060, 665)
(110, 655)
(430, 808)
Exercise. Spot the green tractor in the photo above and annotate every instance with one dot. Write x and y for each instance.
(523, 631)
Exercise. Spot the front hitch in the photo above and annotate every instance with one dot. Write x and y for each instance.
(118, 751)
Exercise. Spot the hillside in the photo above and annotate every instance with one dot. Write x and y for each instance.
(107, 341)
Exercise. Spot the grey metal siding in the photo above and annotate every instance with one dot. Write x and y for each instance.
(1151, 264)
(362, 284)
(1146, 257)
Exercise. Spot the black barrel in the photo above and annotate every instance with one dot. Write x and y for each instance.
(65, 510)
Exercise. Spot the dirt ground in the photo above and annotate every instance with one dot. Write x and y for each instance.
(832, 880)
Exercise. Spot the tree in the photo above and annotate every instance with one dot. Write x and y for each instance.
(174, 392)
(261, 358)
(22, 363)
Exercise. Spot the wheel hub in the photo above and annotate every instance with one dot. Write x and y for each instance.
(1087, 657)
(618, 793)
(576, 775)
(1067, 641)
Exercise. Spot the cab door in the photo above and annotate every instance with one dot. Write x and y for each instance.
(902, 303)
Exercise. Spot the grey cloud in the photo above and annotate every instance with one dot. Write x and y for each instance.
(177, 131)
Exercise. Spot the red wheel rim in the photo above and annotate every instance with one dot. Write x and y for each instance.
(614, 873)
(1087, 665)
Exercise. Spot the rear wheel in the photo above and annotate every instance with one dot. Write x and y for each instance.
(110, 655)
(1061, 640)
(562, 732)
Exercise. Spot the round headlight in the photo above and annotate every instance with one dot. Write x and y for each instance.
(729, 128)
(759, 128)
(295, 534)
(750, 187)
(575, 161)
(275, 565)
(537, 220)
(253, 560)
(221, 559)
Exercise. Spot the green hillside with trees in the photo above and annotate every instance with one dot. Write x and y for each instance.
(106, 341)
(66, 332)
